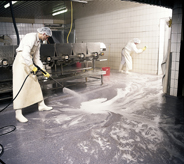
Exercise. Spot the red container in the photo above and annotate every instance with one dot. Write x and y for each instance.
(78, 64)
(107, 69)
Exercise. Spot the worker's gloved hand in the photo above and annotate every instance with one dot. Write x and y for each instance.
(144, 48)
(34, 69)
(47, 74)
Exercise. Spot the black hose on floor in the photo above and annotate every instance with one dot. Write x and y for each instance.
(2, 162)
(1, 153)
(13, 129)
(17, 93)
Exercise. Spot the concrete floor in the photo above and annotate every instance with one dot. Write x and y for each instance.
(126, 120)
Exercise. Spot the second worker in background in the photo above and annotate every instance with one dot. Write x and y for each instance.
(126, 52)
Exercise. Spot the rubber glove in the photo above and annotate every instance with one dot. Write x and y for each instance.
(144, 48)
(34, 69)
(47, 74)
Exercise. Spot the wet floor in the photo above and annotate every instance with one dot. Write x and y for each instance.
(126, 120)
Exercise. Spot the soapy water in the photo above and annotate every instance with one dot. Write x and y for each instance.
(102, 105)
(130, 121)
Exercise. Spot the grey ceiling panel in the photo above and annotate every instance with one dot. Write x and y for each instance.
(44, 9)
(162, 3)
(31, 9)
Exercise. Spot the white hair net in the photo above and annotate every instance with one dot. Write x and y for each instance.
(136, 40)
(45, 30)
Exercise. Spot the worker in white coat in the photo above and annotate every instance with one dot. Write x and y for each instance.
(126, 52)
(28, 53)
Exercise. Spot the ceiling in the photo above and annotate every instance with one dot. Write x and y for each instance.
(44, 9)
(163, 3)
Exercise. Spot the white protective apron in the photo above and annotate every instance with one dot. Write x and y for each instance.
(128, 59)
(31, 92)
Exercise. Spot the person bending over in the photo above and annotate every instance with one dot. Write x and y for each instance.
(28, 53)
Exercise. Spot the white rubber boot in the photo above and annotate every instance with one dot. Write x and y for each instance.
(42, 106)
(120, 67)
(19, 116)
(126, 71)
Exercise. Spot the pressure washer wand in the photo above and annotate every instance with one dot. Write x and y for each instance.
(49, 77)
(57, 82)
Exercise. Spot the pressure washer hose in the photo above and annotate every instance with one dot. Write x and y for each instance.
(1, 146)
(2, 149)
(17, 93)
(24, 83)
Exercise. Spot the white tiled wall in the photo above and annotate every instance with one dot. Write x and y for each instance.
(23, 28)
(115, 29)
(175, 46)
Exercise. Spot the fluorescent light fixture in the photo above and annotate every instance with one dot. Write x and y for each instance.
(56, 10)
(59, 12)
(8, 4)
(80, 1)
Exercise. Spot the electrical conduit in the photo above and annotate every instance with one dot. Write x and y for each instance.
(71, 21)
